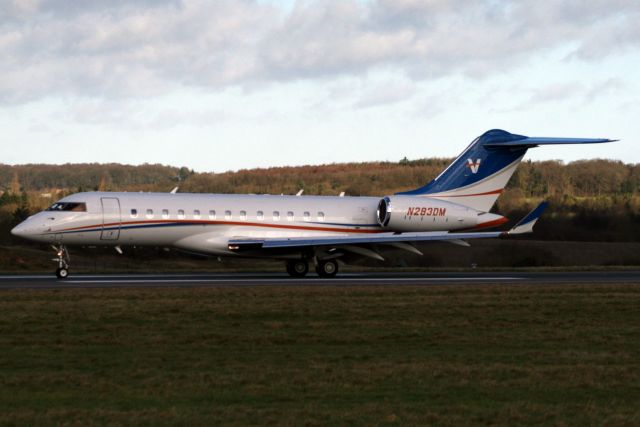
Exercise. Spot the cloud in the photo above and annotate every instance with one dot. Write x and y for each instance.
(604, 88)
(385, 94)
(567, 91)
(557, 92)
(116, 48)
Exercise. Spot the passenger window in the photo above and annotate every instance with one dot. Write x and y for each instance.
(212, 214)
(289, 216)
(227, 215)
(149, 213)
(276, 216)
(307, 216)
(180, 214)
(165, 213)
(243, 215)
(260, 215)
(196, 214)
(134, 213)
(320, 216)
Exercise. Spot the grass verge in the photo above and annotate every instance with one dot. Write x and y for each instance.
(443, 355)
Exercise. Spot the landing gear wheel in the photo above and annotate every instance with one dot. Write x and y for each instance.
(63, 260)
(327, 268)
(298, 268)
(62, 273)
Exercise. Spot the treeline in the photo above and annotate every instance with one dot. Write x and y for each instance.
(587, 178)
(590, 199)
(89, 177)
(355, 179)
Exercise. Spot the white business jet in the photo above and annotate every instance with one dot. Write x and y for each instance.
(301, 230)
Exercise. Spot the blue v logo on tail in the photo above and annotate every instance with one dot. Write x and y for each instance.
(473, 166)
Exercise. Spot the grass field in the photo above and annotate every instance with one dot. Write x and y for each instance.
(450, 355)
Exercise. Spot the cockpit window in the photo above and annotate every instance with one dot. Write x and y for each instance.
(68, 207)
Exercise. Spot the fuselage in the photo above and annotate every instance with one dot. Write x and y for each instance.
(206, 222)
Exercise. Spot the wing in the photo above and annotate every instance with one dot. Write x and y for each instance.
(241, 244)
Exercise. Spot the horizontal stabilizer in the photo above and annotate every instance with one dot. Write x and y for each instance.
(530, 142)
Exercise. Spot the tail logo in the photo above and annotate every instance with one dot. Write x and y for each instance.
(473, 166)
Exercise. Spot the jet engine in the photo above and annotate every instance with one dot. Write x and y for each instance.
(414, 214)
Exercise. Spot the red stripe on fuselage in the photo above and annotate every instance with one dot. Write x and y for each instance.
(244, 223)
(494, 223)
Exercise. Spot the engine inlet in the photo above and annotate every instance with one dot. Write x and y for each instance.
(383, 212)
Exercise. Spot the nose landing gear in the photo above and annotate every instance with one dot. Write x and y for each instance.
(63, 260)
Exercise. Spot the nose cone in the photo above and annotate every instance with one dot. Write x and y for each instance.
(489, 220)
(26, 230)
(31, 228)
(19, 230)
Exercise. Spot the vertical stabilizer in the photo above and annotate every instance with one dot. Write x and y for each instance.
(478, 176)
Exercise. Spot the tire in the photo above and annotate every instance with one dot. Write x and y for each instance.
(62, 273)
(327, 268)
(298, 268)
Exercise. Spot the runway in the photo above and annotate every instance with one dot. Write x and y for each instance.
(48, 281)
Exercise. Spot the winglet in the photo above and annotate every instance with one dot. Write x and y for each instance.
(526, 224)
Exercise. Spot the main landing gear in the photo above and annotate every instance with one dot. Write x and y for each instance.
(63, 260)
(300, 268)
(327, 268)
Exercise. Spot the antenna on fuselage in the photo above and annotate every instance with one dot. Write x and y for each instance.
(299, 193)
(174, 191)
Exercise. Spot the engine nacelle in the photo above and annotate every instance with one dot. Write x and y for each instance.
(408, 213)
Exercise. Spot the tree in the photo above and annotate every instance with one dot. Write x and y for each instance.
(14, 187)
(21, 212)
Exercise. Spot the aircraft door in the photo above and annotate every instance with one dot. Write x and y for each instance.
(110, 218)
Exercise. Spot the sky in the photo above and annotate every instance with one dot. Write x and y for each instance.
(235, 84)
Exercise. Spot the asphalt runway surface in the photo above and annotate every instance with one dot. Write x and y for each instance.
(49, 281)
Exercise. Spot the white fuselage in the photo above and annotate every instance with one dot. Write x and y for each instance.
(205, 223)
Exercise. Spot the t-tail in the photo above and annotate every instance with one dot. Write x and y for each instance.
(478, 176)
